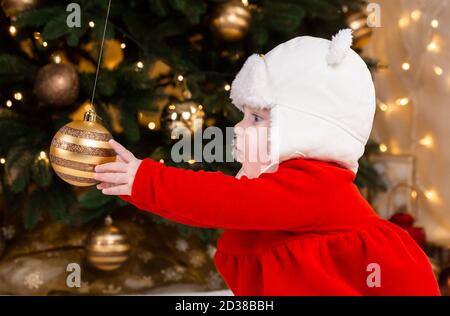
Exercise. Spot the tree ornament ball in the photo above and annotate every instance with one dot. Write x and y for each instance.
(14, 7)
(357, 21)
(78, 147)
(230, 21)
(187, 116)
(57, 84)
(107, 248)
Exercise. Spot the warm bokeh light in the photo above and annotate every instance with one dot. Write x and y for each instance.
(426, 141)
(402, 101)
(383, 148)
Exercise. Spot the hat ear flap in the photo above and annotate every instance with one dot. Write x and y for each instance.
(339, 46)
(250, 86)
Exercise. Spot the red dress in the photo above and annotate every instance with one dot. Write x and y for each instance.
(302, 230)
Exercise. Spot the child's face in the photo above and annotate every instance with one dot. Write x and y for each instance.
(251, 144)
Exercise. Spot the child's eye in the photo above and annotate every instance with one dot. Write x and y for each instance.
(256, 117)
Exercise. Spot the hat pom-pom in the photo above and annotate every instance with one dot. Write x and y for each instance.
(339, 47)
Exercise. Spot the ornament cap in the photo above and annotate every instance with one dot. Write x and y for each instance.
(90, 116)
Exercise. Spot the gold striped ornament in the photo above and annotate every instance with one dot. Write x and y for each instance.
(108, 247)
(231, 20)
(78, 147)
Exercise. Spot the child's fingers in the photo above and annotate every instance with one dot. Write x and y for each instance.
(116, 178)
(124, 153)
(104, 185)
(117, 190)
(112, 167)
(119, 159)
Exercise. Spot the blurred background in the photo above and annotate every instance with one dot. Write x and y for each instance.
(166, 64)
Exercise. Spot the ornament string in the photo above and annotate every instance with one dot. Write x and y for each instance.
(100, 56)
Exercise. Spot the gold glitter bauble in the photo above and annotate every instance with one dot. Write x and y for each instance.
(231, 20)
(186, 114)
(107, 248)
(78, 147)
(57, 84)
(357, 21)
(14, 7)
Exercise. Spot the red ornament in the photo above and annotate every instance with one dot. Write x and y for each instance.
(402, 219)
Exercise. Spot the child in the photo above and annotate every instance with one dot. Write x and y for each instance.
(294, 224)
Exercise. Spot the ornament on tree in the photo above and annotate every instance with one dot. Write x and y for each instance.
(182, 115)
(14, 7)
(78, 147)
(57, 84)
(108, 247)
(230, 21)
(357, 21)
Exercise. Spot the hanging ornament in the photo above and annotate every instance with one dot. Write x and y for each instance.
(14, 7)
(78, 147)
(357, 21)
(230, 21)
(57, 84)
(108, 247)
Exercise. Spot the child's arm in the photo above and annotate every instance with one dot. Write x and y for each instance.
(288, 198)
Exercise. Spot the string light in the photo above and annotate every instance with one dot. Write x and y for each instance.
(245, 2)
(402, 101)
(45, 44)
(57, 59)
(140, 64)
(191, 161)
(416, 14)
(434, 23)
(91, 24)
(9, 103)
(123, 45)
(430, 194)
(406, 66)
(383, 148)
(438, 70)
(151, 125)
(227, 87)
(12, 30)
(433, 46)
(43, 156)
(18, 96)
(414, 194)
(161, 160)
(37, 35)
(403, 22)
(383, 106)
(2, 161)
(180, 78)
(426, 141)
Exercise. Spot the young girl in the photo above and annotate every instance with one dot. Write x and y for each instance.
(295, 223)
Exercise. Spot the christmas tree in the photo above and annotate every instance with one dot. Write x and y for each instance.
(159, 61)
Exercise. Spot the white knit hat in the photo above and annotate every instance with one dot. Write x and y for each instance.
(321, 96)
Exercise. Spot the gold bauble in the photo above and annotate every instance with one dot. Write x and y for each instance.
(107, 248)
(57, 84)
(231, 20)
(186, 114)
(78, 147)
(14, 7)
(357, 21)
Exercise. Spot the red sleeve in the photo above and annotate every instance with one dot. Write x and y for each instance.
(288, 198)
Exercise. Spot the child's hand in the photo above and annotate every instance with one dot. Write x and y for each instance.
(117, 177)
